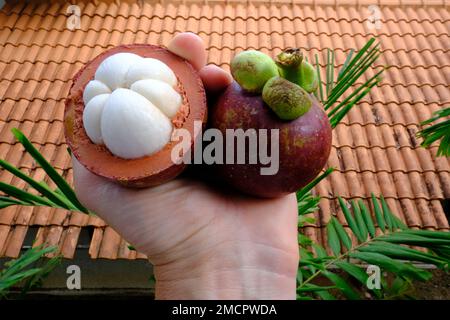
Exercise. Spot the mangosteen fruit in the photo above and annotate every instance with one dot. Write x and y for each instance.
(123, 108)
(301, 139)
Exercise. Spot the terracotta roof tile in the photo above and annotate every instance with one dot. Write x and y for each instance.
(374, 148)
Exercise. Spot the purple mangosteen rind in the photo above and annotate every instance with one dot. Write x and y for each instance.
(304, 143)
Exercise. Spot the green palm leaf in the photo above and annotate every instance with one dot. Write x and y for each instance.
(438, 131)
(27, 269)
(62, 184)
(63, 197)
(389, 251)
(353, 69)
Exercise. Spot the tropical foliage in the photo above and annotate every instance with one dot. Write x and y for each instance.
(332, 88)
(438, 131)
(62, 197)
(383, 241)
(29, 269)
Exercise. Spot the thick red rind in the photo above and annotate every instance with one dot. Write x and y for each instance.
(146, 171)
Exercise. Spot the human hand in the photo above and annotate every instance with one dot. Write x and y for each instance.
(204, 243)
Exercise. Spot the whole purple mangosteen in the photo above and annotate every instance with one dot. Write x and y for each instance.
(303, 138)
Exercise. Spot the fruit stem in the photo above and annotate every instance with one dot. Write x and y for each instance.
(290, 61)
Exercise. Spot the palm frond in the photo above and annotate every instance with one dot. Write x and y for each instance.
(29, 269)
(390, 249)
(307, 202)
(438, 131)
(63, 197)
(332, 88)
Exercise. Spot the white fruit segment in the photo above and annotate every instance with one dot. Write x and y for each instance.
(132, 127)
(149, 68)
(129, 104)
(113, 70)
(94, 88)
(160, 94)
(92, 115)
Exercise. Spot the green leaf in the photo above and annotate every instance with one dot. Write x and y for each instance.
(356, 272)
(355, 96)
(343, 236)
(31, 256)
(399, 252)
(321, 97)
(350, 64)
(378, 214)
(392, 265)
(299, 276)
(399, 288)
(367, 218)
(441, 252)
(320, 251)
(353, 69)
(346, 63)
(438, 131)
(304, 191)
(24, 196)
(330, 71)
(57, 199)
(51, 172)
(16, 278)
(309, 287)
(303, 240)
(23, 269)
(350, 220)
(386, 214)
(428, 233)
(306, 202)
(302, 220)
(412, 239)
(325, 295)
(44, 270)
(340, 283)
(359, 64)
(311, 263)
(333, 239)
(6, 202)
(359, 221)
(396, 222)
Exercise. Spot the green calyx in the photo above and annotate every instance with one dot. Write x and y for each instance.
(288, 100)
(297, 70)
(252, 69)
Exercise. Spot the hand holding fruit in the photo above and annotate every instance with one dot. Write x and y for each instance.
(204, 242)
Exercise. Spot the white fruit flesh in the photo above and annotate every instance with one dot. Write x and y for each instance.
(129, 105)
(160, 93)
(149, 68)
(132, 126)
(94, 88)
(113, 70)
(92, 115)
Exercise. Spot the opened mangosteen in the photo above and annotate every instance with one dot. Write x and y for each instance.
(277, 114)
(123, 108)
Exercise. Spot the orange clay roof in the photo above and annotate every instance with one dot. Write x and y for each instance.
(375, 148)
